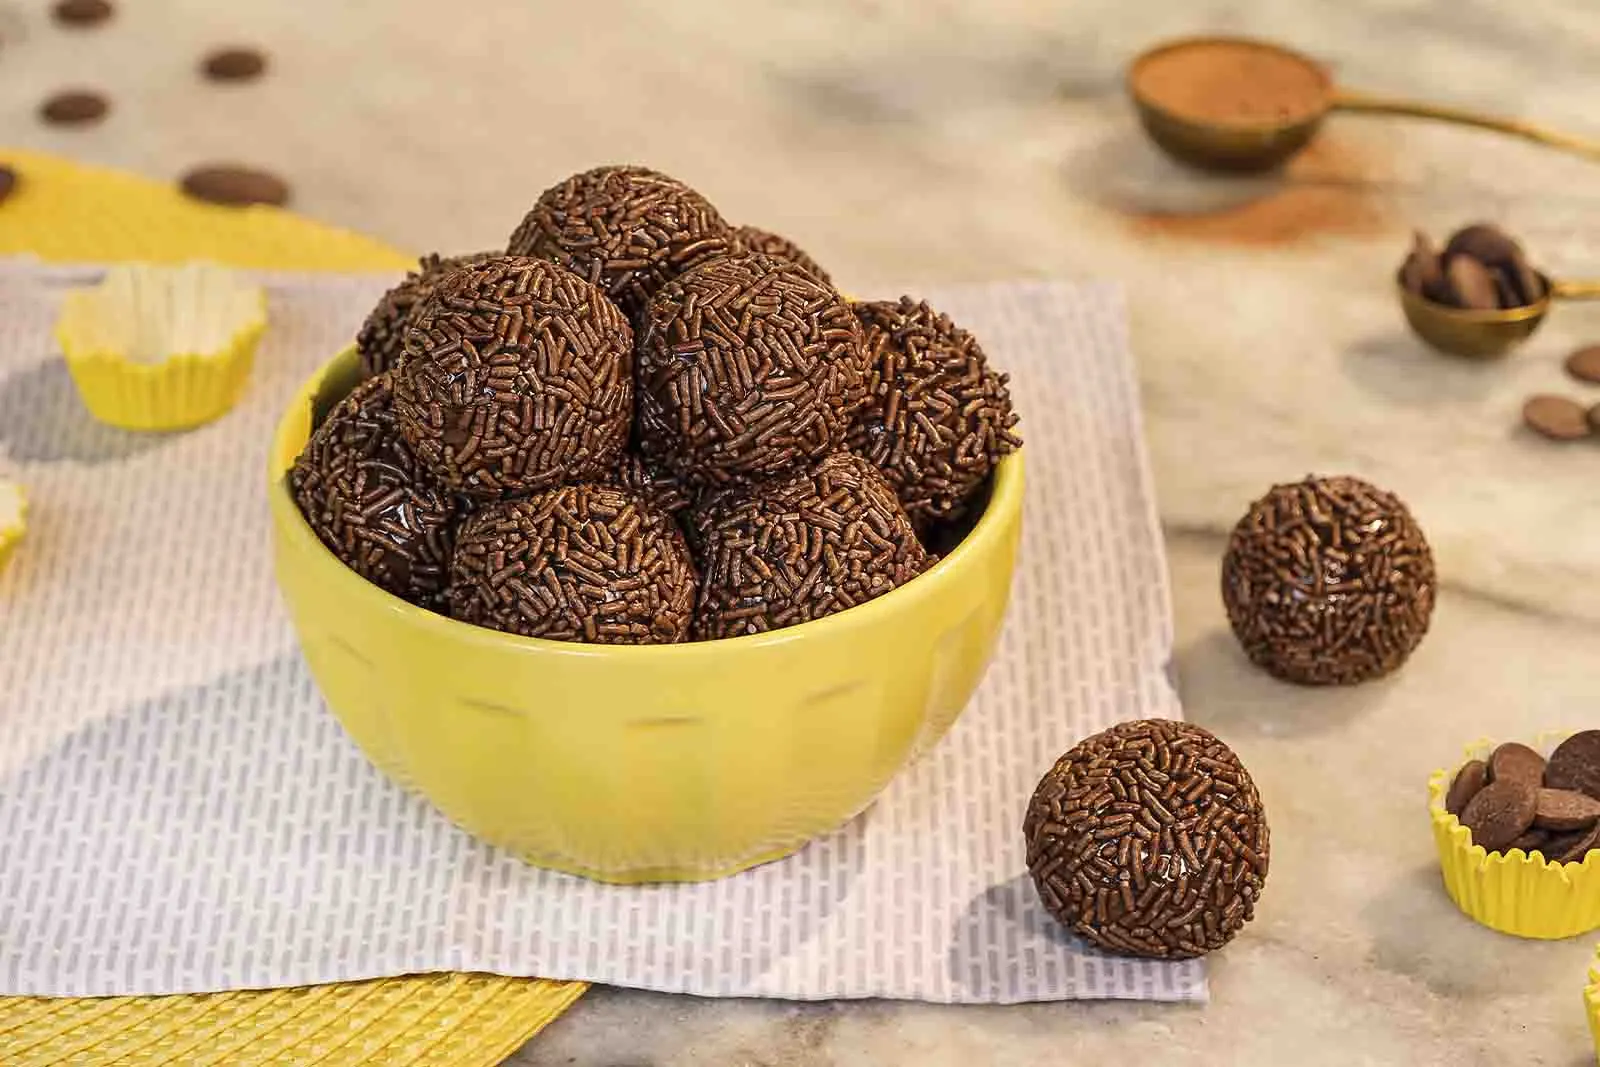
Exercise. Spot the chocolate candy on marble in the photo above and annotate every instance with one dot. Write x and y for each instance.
(1517, 801)
(381, 339)
(1328, 581)
(517, 378)
(1149, 839)
(1559, 418)
(589, 563)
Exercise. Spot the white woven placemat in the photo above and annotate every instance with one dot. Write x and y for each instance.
(179, 813)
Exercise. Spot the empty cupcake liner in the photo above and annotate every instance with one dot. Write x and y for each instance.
(1512, 892)
(162, 348)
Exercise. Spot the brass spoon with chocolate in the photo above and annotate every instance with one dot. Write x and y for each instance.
(1238, 104)
(1479, 297)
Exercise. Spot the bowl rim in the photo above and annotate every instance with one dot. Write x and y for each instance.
(1003, 509)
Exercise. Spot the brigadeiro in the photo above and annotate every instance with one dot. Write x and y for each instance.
(938, 417)
(1149, 839)
(363, 492)
(626, 229)
(588, 563)
(653, 482)
(1328, 581)
(518, 377)
(748, 367)
(767, 243)
(380, 342)
(797, 548)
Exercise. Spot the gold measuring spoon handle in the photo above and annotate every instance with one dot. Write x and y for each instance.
(1348, 100)
(1575, 290)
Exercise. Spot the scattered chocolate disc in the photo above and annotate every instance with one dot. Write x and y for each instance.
(83, 12)
(1501, 813)
(233, 64)
(8, 182)
(1584, 364)
(1556, 417)
(1514, 762)
(1575, 764)
(1566, 810)
(1469, 780)
(74, 107)
(1149, 839)
(235, 186)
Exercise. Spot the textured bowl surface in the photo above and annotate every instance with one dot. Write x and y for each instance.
(648, 763)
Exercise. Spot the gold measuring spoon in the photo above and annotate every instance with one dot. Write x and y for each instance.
(1209, 102)
(1482, 333)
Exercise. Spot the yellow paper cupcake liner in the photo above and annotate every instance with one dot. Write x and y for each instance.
(183, 390)
(12, 527)
(1591, 1001)
(1512, 892)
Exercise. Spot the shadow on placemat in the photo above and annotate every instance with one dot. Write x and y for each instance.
(42, 420)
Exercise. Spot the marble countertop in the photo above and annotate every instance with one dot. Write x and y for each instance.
(940, 141)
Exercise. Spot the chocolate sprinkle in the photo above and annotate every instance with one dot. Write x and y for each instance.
(938, 418)
(767, 243)
(747, 368)
(626, 229)
(362, 491)
(581, 563)
(1149, 839)
(1328, 581)
(381, 339)
(517, 378)
(802, 547)
(656, 485)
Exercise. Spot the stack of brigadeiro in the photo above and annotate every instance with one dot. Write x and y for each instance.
(642, 424)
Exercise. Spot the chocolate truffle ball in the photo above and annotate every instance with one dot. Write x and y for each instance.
(1149, 840)
(1328, 581)
(626, 229)
(797, 548)
(938, 417)
(362, 490)
(518, 378)
(747, 368)
(380, 341)
(767, 243)
(581, 563)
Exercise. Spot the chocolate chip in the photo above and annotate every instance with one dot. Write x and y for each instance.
(1566, 809)
(235, 186)
(1422, 273)
(1471, 284)
(1575, 764)
(1469, 780)
(1529, 285)
(83, 12)
(1577, 847)
(1584, 364)
(8, 182)
(1483, 242)
(74, 107)
(1556, 417)
(1500, 813)
(233, 64)
(1534, 840)
(1513, 762)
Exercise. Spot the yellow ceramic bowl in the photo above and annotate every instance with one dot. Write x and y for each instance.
(643, 763)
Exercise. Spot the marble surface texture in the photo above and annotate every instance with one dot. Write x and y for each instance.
(938, 140)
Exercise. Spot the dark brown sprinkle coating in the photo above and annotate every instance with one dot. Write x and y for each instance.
(1328, 581)
(588, 563)
(234, 186)
(1559, 418)
(747, 368)
(518, 377)
(1501, 813)
(627, 229)
(1584, 364)
(381, 340)
(1514, 761)
(1566, 810)
(74, 107)
(1471, 778)
(1575, 764)
(83, 12)
(755, 239)
(233, 64)
(654, 483)
(801, 547)
(938, 417)
(1149, 839)
(362, 491)
(8, 182)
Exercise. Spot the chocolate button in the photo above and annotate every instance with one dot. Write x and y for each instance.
(74, 108)
(1515, 762)
(1584, 364)
(1500, 813)
(1578, 849)
(1566, 809)
(235, 186)
(83, 12)
(1471, 284)
(1575, 764)
(1469, 780)
(1556, 417)
(1533, 841)
(233, 64)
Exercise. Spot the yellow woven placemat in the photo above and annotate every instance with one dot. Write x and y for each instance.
(66, 212)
